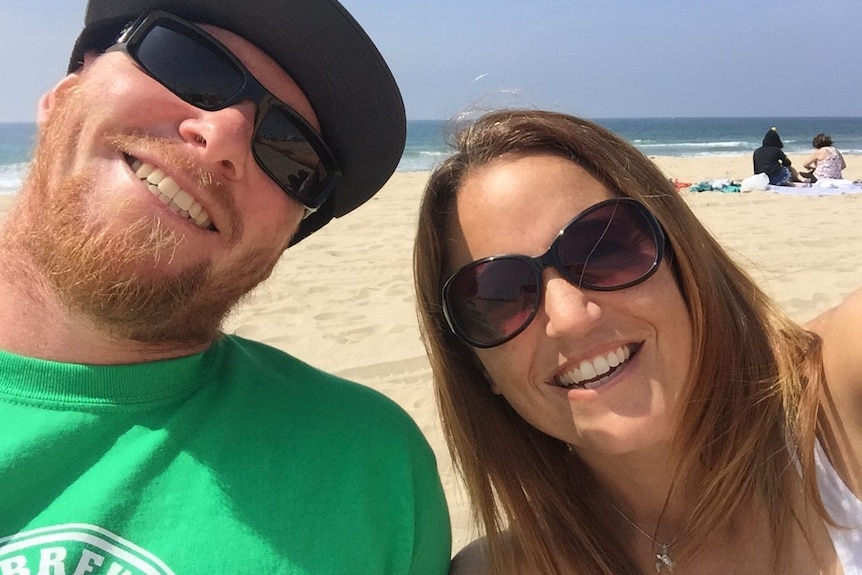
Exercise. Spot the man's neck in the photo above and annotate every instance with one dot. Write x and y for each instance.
(35, 323)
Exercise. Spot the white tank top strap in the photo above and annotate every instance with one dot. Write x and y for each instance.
(845, 508)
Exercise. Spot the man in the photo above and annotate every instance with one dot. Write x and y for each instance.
(770, 159)
(191, 142)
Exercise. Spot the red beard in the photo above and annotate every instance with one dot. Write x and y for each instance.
(117, 275)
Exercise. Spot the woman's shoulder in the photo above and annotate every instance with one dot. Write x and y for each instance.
(844, 316)
(840, 331)
(472, 559)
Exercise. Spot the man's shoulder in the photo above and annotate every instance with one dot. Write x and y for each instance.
(263, 363)
(269, 360)
(262, 373)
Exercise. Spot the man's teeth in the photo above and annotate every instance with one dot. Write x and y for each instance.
(592, 373)
(168, 191)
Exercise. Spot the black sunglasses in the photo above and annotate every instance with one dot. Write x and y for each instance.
(611, 245)
(203, 72)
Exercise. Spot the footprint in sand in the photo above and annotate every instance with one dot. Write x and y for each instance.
(331, 316)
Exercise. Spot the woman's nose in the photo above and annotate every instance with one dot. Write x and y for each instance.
(568, 309)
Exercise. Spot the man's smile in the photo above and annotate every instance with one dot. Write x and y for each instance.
(169, 192)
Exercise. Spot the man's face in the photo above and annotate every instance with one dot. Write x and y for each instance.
(113, 248)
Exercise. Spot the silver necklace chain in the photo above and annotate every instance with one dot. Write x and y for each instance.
(662, 558)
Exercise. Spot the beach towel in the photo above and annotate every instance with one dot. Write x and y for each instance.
(822, 187)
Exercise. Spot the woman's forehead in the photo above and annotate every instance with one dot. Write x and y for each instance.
(517, 204)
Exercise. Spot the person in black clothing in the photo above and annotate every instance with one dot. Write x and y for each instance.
(770, 159)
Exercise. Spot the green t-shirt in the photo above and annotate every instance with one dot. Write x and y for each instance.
(237, 460)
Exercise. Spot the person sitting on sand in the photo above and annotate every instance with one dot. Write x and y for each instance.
(628, 400)
(771, 160)
(825, 161)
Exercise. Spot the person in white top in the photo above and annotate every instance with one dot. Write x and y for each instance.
(825, 162)
(619, 395)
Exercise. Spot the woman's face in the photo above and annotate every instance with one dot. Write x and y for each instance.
(517, 205)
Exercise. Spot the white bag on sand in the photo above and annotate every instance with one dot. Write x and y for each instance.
(755, 182)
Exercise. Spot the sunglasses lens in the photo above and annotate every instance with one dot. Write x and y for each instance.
(492, 301)
(611, 247)
(202, 73)
(196, 71)
(289, 158)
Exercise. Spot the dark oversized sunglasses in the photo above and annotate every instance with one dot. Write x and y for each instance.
(611, 245)
(203, 72)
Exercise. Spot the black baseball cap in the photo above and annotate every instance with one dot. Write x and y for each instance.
(322, 47)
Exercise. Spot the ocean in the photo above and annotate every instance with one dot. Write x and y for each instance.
(427, 139)
(668, 136)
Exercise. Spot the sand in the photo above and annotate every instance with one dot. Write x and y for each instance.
(343, 299)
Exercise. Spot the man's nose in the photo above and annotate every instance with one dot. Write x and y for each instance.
(222, 138)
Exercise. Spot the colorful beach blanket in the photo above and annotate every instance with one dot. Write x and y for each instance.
(722, 185)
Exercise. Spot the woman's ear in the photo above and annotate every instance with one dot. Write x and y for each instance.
(491, 384)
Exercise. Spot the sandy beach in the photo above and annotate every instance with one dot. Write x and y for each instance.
(343, 299)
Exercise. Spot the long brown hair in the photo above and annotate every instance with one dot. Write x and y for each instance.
(747, 402)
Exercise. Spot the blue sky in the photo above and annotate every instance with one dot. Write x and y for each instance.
(596, 58)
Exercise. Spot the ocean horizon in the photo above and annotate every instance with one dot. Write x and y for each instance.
(427, 140)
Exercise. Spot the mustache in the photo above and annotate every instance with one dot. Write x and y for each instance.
(174, 159)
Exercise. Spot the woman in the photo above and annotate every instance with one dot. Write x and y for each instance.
(628, 402)
(825, 161)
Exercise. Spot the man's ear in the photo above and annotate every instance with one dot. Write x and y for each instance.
(49, 98)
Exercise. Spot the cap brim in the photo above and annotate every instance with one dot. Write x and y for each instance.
(321, 46)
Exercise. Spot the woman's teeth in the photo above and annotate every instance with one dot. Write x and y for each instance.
(594, 372)
(168, 191)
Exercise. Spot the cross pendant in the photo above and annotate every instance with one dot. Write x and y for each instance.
(663, 560)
